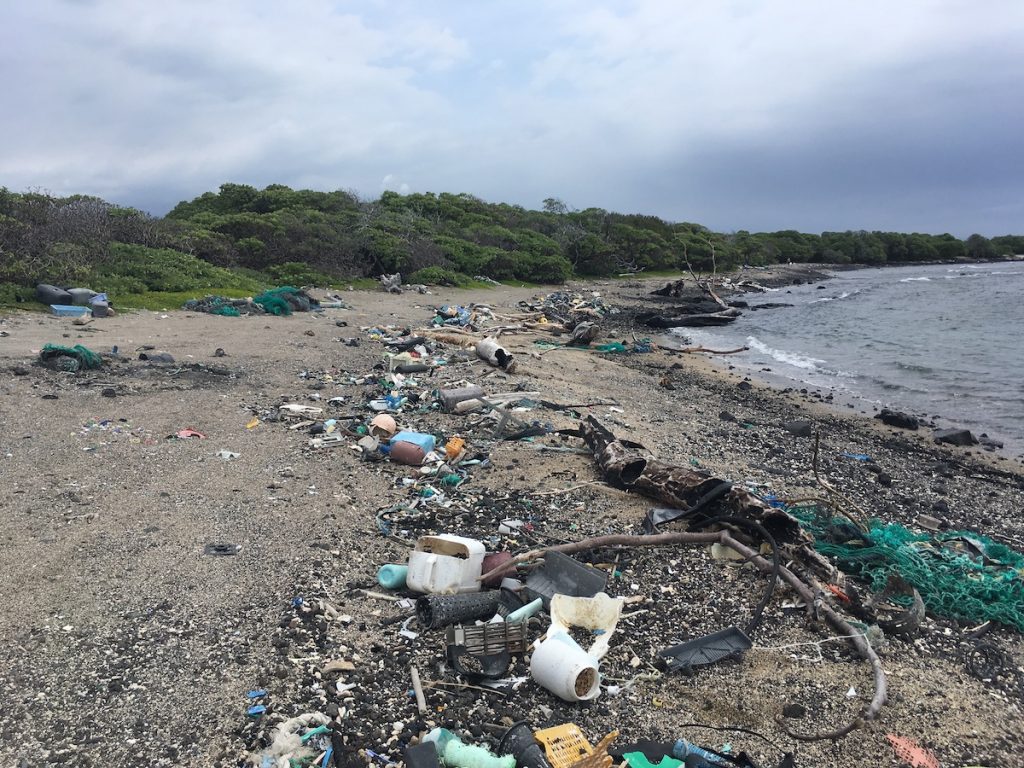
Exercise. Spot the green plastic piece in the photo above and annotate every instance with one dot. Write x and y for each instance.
(639, 760)
(315, 732)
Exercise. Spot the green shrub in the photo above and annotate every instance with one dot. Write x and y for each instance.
(298, 273)
(12, 294)
(437, 276)
(136, 268)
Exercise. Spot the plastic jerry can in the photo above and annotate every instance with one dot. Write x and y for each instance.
(445, 564)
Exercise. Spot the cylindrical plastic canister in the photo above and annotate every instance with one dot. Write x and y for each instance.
(565, 669)
(435, 611)
(407, 453)
(492, 561)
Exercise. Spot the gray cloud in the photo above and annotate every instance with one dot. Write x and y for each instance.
(739, 115)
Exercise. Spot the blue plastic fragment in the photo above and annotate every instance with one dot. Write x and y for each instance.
(857, 456)
(256, 710)
(257, 694)
(296, 602)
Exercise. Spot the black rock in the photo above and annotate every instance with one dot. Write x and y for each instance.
(726, 416)
(745, 386)
(941, 506)
(109, 392)
(884, 479)
(955, 437)
(800, 427)
(898, 419)
(989, 442)
(796, 711)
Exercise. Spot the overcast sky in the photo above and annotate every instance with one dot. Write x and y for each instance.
(773, 114)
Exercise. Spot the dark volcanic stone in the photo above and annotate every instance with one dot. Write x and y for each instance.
(800, 427)
(795, 711)
(955, 437)
(726, 416)
(897, 419)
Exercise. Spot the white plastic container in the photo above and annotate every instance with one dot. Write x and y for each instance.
(445, 565)
(598, 613)
(560, 665)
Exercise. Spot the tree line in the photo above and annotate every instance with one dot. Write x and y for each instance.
(305, 236)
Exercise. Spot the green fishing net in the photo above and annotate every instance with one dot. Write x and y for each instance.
(70, 359)
(959, 574)
(283, 300)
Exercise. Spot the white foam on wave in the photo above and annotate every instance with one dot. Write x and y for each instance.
(789, 358)
(916, 280)
(843, 295)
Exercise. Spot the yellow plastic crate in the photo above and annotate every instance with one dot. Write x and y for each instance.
(564, 744)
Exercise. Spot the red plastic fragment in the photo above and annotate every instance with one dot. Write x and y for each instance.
(910, 752)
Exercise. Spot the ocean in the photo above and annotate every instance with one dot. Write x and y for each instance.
(940, 340)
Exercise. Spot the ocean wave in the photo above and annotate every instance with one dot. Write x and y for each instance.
(789, 358)
(843, 295)
(916, 280)
(914, 367)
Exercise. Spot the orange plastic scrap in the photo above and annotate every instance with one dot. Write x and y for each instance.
(910, 752)
(599, 758)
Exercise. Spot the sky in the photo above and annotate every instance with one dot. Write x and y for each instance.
(816, 115)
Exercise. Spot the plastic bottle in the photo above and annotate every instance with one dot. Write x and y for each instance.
(682, 749)
(522, 614)
(392, 576)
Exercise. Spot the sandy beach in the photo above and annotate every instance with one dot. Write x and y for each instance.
(124, 644)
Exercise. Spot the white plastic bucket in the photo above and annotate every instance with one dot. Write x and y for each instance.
(565, 669)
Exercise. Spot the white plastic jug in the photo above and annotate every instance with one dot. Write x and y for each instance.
(445, 564)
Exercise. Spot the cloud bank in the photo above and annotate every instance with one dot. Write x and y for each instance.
(749, 115)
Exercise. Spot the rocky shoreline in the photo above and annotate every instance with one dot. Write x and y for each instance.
(126, 644)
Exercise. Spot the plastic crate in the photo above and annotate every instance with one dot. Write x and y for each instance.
(564, 744)
(67, 310)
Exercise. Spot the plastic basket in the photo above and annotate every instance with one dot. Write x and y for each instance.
(564, 744)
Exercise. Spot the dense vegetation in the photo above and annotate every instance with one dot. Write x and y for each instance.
(241, 237)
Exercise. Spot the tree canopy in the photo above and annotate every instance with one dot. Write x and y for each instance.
(278, 231)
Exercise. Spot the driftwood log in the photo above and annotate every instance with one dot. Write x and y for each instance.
(681, 487)
(724, 317)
